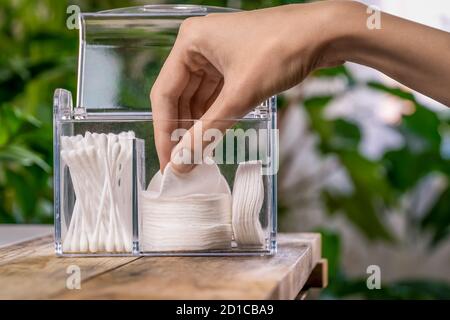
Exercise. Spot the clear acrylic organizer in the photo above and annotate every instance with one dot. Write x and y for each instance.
(105, 155)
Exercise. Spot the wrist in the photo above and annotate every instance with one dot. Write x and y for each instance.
(346, 26)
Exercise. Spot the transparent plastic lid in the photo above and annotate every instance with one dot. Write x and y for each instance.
(165, 9)
(122, 52)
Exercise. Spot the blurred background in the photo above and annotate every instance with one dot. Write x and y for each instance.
(363, 160)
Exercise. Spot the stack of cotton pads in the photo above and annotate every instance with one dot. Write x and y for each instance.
(248, 198)
(187, 212)
(101, 172)
(195, 211)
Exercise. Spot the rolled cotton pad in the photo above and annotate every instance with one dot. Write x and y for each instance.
(248, 199)
(187, 212)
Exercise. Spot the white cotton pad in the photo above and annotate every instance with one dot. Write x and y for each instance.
(187, 212)
(194, 223)
(203, 179)
(248, 198)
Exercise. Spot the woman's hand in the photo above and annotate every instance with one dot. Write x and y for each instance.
(223, 65)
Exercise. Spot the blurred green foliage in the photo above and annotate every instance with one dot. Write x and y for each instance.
(39, 54)
(380, 185)
(340, 286)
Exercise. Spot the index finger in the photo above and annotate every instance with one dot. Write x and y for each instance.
(164, 96)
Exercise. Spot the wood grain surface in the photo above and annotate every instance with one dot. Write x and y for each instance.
(30, 270)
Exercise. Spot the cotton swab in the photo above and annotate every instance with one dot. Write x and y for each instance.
(101, 219)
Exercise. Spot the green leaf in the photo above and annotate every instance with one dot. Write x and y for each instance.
(405, 168)
(24, 194)
(360, 210)
(347, 136)
(4, 135)
(438, 219)
(22, 156)
(398, 92)
(367, 175)
(17, 82)
(339, 71)
(372, 193)
(421, 124)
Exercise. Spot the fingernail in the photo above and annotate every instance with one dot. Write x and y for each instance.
(183, 169)
(182, 160)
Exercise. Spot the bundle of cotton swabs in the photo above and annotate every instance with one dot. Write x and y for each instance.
(100, 168)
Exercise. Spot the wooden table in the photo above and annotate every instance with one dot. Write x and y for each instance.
(30, 270)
